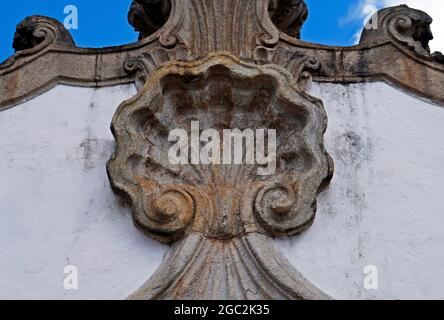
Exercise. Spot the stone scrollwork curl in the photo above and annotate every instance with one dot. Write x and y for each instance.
(142, 65)
(37, 32)
(169, 211)
(289, 16)
(277, 198)
(149, 16)
(403, 25)
(33, 35)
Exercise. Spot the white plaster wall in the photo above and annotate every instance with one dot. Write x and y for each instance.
(56, 206)
(385, 205)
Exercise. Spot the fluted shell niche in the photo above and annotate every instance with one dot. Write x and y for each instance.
(219, 199)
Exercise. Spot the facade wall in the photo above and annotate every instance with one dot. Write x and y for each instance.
(383, 207)
(56, 205)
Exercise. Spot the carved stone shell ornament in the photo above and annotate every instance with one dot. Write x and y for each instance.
(220, 218)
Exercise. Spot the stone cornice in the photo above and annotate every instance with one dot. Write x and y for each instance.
(221, 217)
(381, 56)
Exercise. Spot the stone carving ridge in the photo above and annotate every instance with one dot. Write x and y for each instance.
(248, 257)
(148, 16)
(33, 35)
(36, 32)
(406, 26)
(299, 64)
(216, 203)
(289, 16)
(172, 99)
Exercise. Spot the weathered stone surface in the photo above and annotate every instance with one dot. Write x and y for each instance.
(148, 16)
(246, 268)
(211, 91)
(289, 15)
(37, 31)
(56, 205)
(231, 64)
(383, 207)
(221, 203)
(378, 57)
(406, 26)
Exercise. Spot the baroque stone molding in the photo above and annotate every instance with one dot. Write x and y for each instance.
(145, 63)
(148, 16)
(301, 64)
(187, 67)
(405, 26)
(379, 57)
(225, 213)
(250, 257)
(36, 32)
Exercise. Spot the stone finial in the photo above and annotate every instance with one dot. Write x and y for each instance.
(221, 214)
(148, 16)
(289, 16)
(38, 31)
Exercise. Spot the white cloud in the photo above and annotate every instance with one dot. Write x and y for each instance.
(435, 8)
(362, 11)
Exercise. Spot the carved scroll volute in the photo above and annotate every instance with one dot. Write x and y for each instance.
(216, 202)
(167, 211)
(405, 27)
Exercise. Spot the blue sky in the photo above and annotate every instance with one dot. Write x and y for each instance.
(104, 22)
